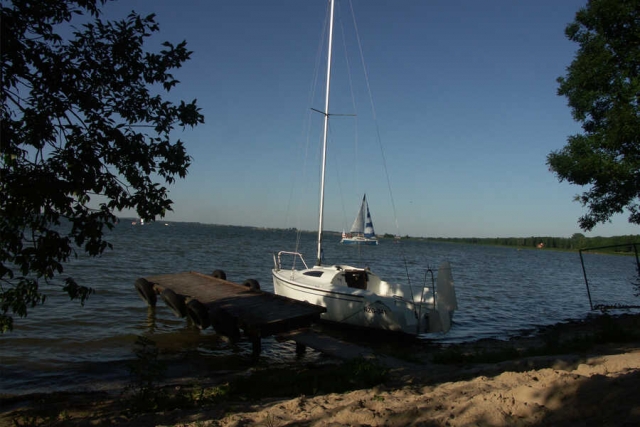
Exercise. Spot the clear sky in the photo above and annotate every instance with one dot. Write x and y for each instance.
(464, 93)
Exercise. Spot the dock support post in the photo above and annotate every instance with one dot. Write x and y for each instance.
(256, 345)
(300, 349)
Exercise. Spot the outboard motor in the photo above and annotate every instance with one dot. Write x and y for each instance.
(446, 302)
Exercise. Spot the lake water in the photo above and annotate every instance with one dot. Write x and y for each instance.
(501, 292)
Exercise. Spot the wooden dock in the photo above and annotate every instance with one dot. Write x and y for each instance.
(227, 306)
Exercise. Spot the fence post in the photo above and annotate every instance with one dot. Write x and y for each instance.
(584, 272)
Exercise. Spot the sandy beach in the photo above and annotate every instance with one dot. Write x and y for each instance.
(600, 390)
(597, 386)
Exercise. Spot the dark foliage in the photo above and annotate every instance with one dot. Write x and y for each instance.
(615, 244)
(602, 87)
(84, 134)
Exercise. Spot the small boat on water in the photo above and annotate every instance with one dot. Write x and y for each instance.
(362, 232)
(355, 295)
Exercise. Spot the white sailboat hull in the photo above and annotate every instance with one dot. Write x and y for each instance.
(357, 297)
(358, 241)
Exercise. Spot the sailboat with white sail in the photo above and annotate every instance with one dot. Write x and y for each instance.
(355, 295)
(361, 232)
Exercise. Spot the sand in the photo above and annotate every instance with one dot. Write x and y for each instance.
(601, 390)
(600, 386)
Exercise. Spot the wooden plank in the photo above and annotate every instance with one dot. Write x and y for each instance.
(197, 286)
(338, 348)
(325, 344)
(257, 312)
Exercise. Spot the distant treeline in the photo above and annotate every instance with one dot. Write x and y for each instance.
(576, 242)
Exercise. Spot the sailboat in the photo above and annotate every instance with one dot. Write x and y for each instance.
(362, 232)
(355, 295)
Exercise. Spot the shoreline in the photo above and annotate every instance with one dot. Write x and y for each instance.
(584, 386)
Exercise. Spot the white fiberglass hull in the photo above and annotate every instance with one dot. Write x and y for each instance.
(396, 308)
(358, 241)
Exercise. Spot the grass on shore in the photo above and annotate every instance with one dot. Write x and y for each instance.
(605, 330)
(145, 393)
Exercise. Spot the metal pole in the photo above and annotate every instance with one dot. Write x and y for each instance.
(584, 272)
(324, 142)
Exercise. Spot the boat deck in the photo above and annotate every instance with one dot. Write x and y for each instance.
(230, 306)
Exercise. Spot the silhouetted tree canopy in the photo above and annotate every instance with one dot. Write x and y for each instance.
(602, 87)
(85, 133)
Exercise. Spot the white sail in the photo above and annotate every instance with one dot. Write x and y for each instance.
(361, 231)
(363, 223)
(358, 223)
(368, 226)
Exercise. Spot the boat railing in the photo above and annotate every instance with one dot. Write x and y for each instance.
(413, 303)
(423, 293)
(296, 255)
(407, 301)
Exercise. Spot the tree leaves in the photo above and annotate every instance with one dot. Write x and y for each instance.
(602, 87)
(81, 116)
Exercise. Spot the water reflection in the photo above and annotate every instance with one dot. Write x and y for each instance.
(150, 324)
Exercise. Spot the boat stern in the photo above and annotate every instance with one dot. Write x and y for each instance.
(440, 317)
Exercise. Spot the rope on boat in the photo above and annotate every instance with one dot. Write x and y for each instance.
(374, 115)
(379, 140)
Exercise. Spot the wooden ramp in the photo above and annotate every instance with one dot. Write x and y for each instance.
(337, 348)
(228, 307)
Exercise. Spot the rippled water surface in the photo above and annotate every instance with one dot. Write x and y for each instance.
(501, 291)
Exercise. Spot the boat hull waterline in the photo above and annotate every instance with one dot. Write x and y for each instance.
(367, 301)
(358, 241)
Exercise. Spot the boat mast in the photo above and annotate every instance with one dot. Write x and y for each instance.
(326, 128)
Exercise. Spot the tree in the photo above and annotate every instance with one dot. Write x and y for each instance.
(602, 86)
(84, 134)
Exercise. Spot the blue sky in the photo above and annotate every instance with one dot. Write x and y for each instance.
(464, 93)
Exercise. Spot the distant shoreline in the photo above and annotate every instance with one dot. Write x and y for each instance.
(578, 240)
